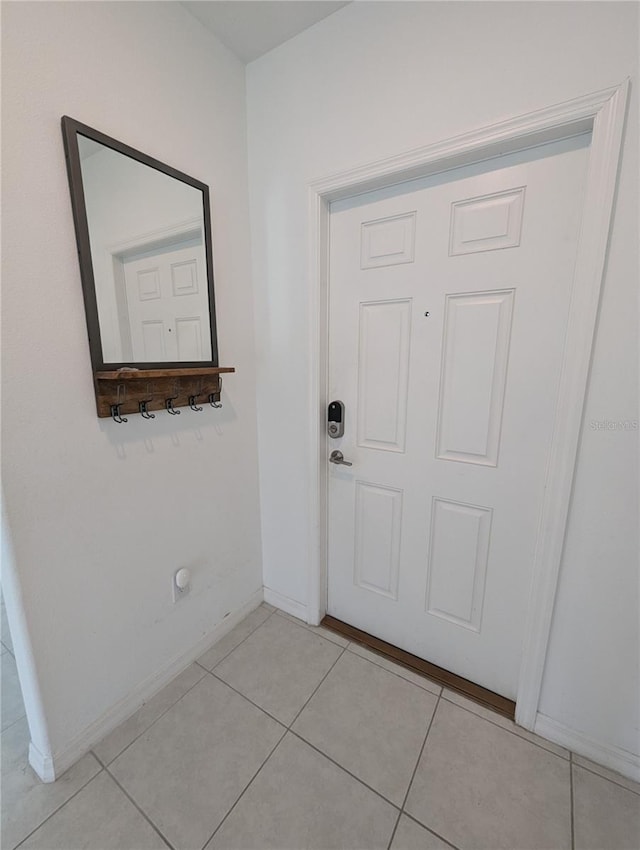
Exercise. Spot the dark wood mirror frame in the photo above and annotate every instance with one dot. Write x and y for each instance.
(134, 387)
(70, 130)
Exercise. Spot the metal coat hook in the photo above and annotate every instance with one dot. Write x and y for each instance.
(115, 414)
(212, 396)
(142, 406)
(115, 408)
(192, 399)
(168, 402)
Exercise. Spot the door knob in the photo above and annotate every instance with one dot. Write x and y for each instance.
(337, 457)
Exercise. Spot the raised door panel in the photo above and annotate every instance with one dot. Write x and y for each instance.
(475, 356)
(189, 338)
(388, 241)
(148, 284)
(153, 341)
(383, 374)
(184, 278)
(458, 553)
(488, 223)
(377, 538)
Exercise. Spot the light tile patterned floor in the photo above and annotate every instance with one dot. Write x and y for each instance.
(287, 737)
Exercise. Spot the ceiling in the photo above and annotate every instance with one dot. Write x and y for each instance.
(251, 28)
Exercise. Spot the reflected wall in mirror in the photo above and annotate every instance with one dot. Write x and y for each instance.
(143, 231)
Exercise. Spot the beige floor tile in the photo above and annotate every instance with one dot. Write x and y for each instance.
(411, 836)
(409, 675)
(302, 800)
(127, 732)
(235, 637)
(188, 769)
(480, 787)
(606, 816)
(279, 666)
(26, 801)
(100, 817)
(504, 722)
(608, 774)
(12, 706)
(371, 722)
(319, 630)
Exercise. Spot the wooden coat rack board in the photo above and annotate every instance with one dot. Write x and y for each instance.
(142, 391)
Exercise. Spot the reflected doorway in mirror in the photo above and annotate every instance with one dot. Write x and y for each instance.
(162, 298)
(144, 241)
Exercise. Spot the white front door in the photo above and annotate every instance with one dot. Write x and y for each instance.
(167, 300)
(449, 300)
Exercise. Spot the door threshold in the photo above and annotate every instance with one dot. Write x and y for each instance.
(483, 696)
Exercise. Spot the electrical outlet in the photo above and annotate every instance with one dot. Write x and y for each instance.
(181, 584)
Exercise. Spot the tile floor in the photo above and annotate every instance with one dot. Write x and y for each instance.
(285, 736)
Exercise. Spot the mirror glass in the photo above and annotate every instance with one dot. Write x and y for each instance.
(148, 253)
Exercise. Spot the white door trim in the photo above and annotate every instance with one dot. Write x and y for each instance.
(602, 113)
(142, 241)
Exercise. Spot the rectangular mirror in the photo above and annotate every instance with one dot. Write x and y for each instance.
(144, 243)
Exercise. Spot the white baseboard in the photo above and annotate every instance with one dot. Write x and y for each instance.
(49, 768)
(615, 758)
(43, 765)
(284, 603)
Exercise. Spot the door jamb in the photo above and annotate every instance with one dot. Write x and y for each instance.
(602, 113)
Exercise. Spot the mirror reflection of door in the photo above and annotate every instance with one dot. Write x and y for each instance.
(146, 231)
(163, 302)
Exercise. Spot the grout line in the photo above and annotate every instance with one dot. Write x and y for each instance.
(98, 759)
(375, 655)
(279, 722)
(271, 613)
(153, 722)
(314, 630)
(415, 769)
(13, 723)
(393, 673)
(61, 806)
(285, 729)
(9, 650)
(573, 833)
(395, 829)
(319, 751)
(344, 649)
(246, 788)
(300, 737)
(254, 704)
(142, 812)
(345, 770)
(606, 778)
(510, 731)
(293, 732)
(437, 834)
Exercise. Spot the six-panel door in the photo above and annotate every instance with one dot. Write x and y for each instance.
(449, 299)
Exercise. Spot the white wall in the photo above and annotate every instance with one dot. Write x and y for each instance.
(102, 514)
(377, 79)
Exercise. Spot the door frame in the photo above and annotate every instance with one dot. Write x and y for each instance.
(603, 114)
